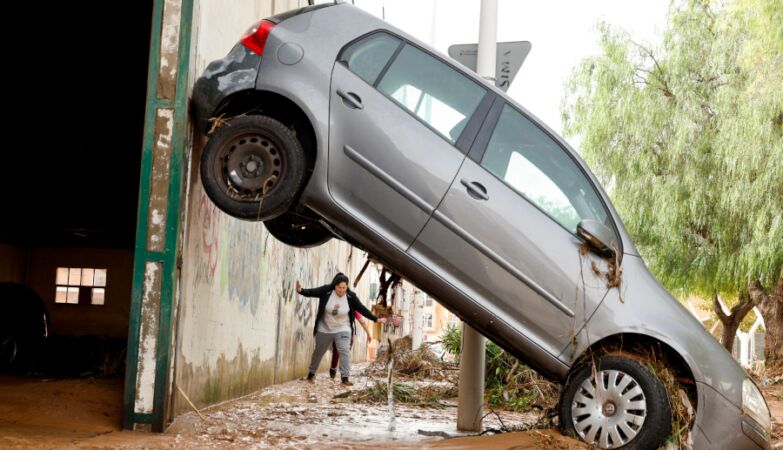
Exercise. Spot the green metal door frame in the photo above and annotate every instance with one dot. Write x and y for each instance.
(158, 222)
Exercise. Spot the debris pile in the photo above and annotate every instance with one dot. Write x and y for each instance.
(509, 383)
(414, 394)
(419, 363)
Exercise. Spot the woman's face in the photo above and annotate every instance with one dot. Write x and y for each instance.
(341, 288)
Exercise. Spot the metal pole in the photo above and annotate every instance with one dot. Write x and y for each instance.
(471, 380)
(471, 375)
(488, 40)
(418, 319)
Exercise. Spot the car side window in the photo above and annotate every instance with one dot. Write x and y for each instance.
(367, 57)
(434, 92)
(528, 160)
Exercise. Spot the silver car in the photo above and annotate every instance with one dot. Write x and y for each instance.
(328, 122)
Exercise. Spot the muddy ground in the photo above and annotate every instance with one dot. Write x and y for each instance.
(45, 413)
(86, 413)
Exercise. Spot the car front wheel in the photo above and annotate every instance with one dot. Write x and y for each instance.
(253, 168)
(618, 403)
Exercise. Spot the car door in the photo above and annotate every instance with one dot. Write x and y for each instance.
(398, 118)
(505, 233)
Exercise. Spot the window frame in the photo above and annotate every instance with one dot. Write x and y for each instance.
(91, 287)
(481, 144)
(472, 127)
(431, 324)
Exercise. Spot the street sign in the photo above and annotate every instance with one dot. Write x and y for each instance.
(510, 57)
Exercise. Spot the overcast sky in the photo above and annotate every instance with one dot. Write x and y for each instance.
(562, 33)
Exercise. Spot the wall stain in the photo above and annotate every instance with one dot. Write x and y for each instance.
(227, 378)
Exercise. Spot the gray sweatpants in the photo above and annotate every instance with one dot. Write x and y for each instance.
(323, 342)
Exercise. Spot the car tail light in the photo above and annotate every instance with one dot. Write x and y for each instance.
(256, 36)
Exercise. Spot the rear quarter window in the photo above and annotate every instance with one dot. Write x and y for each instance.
(367, 57)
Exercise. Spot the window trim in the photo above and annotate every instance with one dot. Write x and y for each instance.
(466, 138)
(91, 287)
(385, 69)
(481, 143)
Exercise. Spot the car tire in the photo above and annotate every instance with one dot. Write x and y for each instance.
(297, 229)
(630, 412)
(9, 349)
(253, 168)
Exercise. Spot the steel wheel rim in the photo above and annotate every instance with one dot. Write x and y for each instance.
(249, 166)
(610, 413)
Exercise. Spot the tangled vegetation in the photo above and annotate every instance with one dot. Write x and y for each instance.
(509, 383)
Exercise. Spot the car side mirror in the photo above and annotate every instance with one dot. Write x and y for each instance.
(598, 236)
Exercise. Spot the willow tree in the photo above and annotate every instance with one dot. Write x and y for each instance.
(687, 134)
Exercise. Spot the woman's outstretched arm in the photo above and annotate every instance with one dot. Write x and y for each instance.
(314, 292)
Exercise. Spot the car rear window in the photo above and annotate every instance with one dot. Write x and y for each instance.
(434, 92)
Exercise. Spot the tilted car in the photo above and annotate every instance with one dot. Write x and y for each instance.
(326, 121)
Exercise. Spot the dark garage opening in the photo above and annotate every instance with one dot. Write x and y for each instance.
(70, 180)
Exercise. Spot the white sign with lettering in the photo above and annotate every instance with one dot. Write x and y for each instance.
(510, 57)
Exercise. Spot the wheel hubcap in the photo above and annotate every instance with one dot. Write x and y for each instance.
(609, 409)
(250, 166)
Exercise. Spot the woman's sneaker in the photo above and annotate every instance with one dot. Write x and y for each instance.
(332, 373)
(346, 382)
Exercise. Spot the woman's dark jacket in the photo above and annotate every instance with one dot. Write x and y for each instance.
(324, 292)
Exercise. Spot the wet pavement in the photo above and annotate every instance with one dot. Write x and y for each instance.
(85, 414)
(299, 414)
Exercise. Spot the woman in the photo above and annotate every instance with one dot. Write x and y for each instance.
(334, 322)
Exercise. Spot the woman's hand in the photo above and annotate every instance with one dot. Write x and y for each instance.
(298, 287)
(381, 320)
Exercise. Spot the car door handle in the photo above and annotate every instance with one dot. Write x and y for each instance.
(350, 99)
(475, 189)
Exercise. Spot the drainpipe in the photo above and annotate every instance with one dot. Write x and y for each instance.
(471, 375)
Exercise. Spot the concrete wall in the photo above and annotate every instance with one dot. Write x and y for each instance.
(240, 325)
(13, 263)
(109, 319)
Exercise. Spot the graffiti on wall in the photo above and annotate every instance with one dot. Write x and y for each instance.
(208, 231)
(284, 265)
(245, 250)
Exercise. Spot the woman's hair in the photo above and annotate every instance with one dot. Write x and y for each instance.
(339, 278)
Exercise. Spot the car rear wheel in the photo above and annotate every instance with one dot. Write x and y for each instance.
(617, 404)
(253, 168)
(8, 350)
(298, 229)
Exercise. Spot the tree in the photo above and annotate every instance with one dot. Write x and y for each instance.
(688, 137)
(731, 321)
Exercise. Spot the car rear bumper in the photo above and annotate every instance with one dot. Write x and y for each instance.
(236, 72)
